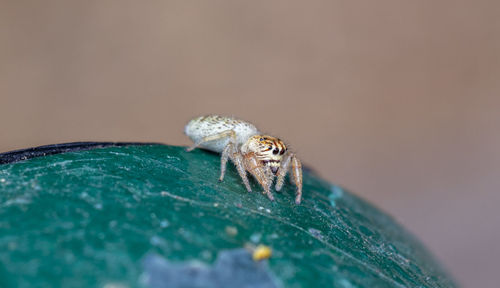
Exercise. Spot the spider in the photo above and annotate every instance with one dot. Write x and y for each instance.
(263, 156)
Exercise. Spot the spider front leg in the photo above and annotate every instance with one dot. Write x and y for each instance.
(230, 152)
(260, 172)
(296, 172)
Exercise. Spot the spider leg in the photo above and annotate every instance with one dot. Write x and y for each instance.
(261, 173)
(296, 172)
(297, 177)
(224, 134)
(285, 165)
(238, 160)
(228, 150)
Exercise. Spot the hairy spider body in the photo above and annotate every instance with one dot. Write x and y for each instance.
(263, 156)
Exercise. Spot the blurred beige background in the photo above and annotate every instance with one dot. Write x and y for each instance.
(396, 100)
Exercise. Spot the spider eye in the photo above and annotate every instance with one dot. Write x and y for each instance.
(282, 152)
(261, 139)
(270, 147)
(276, 151)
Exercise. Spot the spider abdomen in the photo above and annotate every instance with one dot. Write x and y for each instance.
(206, 126)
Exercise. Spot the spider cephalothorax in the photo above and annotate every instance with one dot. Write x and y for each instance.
(267, 149)
(263, 156)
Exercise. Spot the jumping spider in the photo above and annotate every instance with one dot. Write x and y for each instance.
(265, 157)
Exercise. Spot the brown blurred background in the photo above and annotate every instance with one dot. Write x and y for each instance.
(396, 100)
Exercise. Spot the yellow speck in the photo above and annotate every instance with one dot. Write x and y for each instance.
(262, 252)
